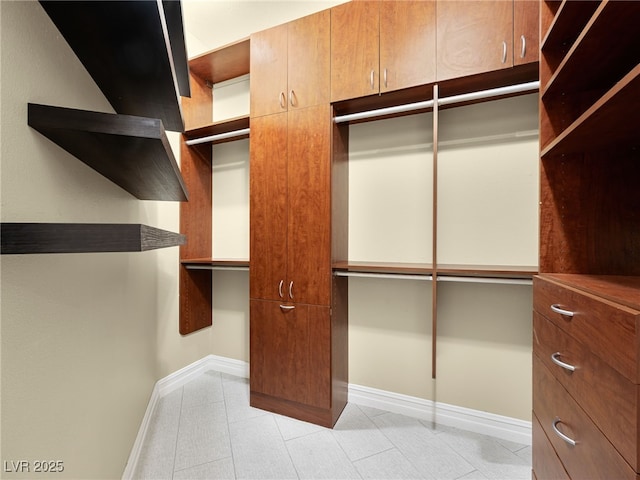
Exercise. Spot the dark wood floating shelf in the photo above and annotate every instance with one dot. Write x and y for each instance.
(133, 152)
(133, 50)
(213, 264)
(26, 238)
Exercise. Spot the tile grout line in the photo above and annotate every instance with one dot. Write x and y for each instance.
(175, 447)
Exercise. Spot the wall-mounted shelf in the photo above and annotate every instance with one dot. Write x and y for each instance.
(29, 238)
(132, 152)
(132, 50)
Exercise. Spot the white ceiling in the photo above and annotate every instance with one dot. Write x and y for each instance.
(210, 24)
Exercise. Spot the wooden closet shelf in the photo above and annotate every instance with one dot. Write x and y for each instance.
(214, 264)
(129, 53)
(602, 54)
(229, 126)
(570, 19)
(616, 288)
(25, 238)
(224, 63)
(601, 126)
(384, 267)
(488, 271)
(133, 152)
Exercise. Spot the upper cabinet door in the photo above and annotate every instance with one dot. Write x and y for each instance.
(268, 67)
(309, 225)
(309, 60)
(526, 37)
(355, 36)
(407, 44)
(268, 207)
(473, 37)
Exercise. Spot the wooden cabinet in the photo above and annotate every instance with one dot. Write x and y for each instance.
(290, 65)
(298, 355)
(587, 299)
(289, 358)
(378, 47)
(473, 37)
(526, 27)
(290, 208)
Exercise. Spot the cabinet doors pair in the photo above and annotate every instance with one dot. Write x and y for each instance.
(290, 208)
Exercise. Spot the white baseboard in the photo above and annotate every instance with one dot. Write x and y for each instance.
(506, 428)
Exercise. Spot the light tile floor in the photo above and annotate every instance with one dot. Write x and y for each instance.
(207, 430)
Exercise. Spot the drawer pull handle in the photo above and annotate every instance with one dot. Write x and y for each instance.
(569, 440)
(280, 289)
(560, 363)
(561, 311)
(287, 307)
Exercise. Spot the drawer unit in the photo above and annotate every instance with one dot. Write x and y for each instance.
(582, 448)
(607, 329)
(609, 399)
(546, 463)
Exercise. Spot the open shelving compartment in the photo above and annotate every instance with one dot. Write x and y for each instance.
(201, 136)
(430, 263)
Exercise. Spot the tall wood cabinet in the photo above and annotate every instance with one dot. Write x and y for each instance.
(298, 349)
(587, 297)
(379, 47)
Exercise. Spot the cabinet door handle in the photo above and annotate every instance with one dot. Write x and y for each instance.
(569, 440)
(504, 52)
(560, 363)
(287, 307)
(291, 290)
(385, 78)
(372, 76)
(292, 97)
(283, 100)
(280, 289)
(523, 42)
(561, 311)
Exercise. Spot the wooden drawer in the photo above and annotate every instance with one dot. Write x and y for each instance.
(609, 399)
(593, 456)
(608, 329)
(546, 464)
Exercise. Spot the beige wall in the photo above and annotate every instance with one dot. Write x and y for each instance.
(79, 331)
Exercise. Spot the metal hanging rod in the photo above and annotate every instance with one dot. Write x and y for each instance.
(384, 111)
(466, 97)
(394, 276)
(219, 136)
(504, 281)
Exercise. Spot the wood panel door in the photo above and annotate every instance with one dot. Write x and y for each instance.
(407, 44)
(473, 37)
(290, 355)
(268, 85)
(268, 206)
(309, 60)
(309, 225)
(526, 36)
(355, 36)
